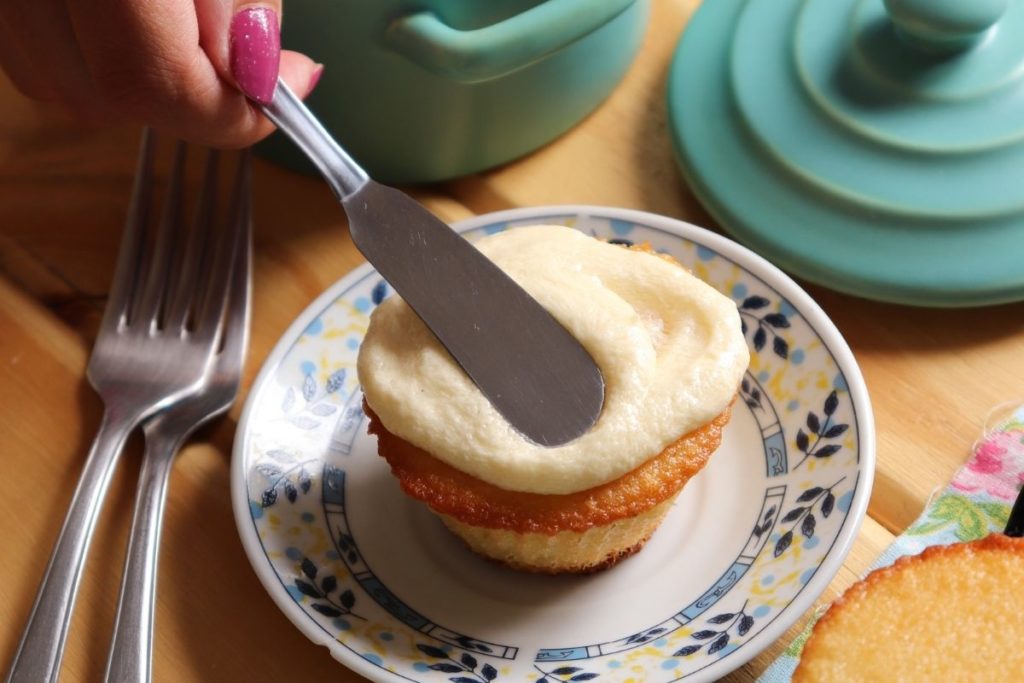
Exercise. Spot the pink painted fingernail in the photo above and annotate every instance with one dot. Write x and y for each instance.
(315, 77)
(256, 52)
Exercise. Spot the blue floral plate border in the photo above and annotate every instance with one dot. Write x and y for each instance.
(747, 548)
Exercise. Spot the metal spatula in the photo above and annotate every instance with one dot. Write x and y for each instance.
(530, 368)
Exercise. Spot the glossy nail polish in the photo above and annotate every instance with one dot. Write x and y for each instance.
(255, 52)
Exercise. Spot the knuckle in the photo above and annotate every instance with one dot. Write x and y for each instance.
(142, 88)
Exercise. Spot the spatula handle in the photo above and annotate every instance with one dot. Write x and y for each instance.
(290, 115)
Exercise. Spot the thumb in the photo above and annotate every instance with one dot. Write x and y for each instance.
(243, 42)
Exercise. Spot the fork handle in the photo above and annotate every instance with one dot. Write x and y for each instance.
(131, 650)
(42, 644)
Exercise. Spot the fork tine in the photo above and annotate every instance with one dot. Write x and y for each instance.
(226, 255)
(236, 320)
(147, 307)
(127, 275)
(196, 248)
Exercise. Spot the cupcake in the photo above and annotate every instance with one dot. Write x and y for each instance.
(952, 613)
(672, 355)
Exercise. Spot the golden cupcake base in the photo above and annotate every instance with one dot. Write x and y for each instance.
(553, 534)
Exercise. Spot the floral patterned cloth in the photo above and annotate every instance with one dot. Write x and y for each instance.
(977, 501)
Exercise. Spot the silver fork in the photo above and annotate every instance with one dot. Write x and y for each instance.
(130, 658)
(139, 366)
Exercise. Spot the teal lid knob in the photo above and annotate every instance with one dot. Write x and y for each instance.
(944, 25)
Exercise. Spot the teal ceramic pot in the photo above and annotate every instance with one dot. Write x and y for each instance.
(425, 90)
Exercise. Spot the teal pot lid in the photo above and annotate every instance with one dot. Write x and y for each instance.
(873, 147)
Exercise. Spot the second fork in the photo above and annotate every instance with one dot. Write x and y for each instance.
(152, 350)
(130, 659)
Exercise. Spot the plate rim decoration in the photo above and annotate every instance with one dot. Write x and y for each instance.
(741, 258)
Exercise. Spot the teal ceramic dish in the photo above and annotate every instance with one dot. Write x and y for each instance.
(872, 147)
(425, 90)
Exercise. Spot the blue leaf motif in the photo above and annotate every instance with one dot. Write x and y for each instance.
(305, 422)
(753, 303)
(719, 643)
(835, 430)
(760, 338)
(431, 651)
(781, 347)
(828, 504)
(308, 568)
(336, 380)
(809, 494)
(783, 543)
(269, 471)
(807, 527)
(831, 403)
(323, 409)
(380, 290)
(307, 588)
(269, 497)
(326, 610)
(283, 457)
(826, 451)
(444, 667)
(309, 388)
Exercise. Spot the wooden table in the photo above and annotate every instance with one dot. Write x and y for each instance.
(933, 375)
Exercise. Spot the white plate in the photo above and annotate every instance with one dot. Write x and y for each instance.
(749, 545)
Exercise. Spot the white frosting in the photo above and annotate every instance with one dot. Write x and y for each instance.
(669, 346)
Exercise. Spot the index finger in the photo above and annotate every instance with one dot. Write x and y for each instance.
(148, 61)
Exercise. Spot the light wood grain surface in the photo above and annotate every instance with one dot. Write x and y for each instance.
(933, 375)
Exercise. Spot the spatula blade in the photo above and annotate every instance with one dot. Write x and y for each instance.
(532, 370)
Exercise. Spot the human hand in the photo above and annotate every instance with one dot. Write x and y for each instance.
(179, 66)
